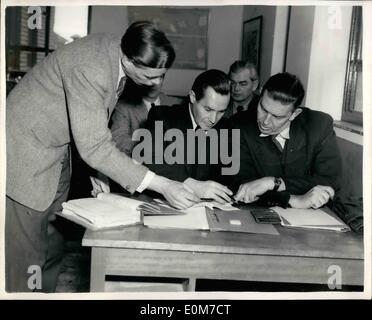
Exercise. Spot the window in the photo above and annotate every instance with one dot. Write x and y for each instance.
(26, 47)
(353, 93)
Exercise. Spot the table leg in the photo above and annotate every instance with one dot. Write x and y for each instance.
(98, 270)
(191, 284)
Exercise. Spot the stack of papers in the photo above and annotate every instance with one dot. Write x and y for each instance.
(310, 219)
(109, 210)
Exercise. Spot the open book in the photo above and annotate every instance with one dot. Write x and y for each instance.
(110, 210)
(310, 219)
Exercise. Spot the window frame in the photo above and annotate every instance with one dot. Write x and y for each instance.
(354, 66)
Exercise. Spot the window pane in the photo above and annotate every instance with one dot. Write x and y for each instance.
(359, 93)
(353, 94)
(67, 24)
(28, 59)
(18, 31)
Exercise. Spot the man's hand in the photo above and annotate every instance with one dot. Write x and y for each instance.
(209, 189)
(314, 198)
(249, 192)
(176, 193)
(100, 184)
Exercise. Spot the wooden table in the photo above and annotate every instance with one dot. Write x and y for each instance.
(295, 256)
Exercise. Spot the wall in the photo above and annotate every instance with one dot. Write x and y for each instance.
(109, 19)
(328, 60)
(317, 46)
(224, 40)
(300, 42)
(317, 53)
(268, 14)
(280, 38)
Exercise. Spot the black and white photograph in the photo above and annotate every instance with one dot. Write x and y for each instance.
(186, 151)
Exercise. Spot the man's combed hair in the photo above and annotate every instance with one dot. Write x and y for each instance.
(216, 79)
(145, 45)
(286, 88)
(239, 65)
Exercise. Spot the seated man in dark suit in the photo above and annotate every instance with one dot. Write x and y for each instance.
(208, 100)
(290, 155)
(244, 84)
(132, 109)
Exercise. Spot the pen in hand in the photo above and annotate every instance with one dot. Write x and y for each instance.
(232, 200)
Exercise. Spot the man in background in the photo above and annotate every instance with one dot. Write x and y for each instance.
(244, 85)
(289, 156)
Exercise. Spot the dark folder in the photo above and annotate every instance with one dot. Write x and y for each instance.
(237, 221)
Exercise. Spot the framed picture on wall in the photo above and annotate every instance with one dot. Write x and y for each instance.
(251, 47)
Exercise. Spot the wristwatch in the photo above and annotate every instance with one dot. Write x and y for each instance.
(277, 183)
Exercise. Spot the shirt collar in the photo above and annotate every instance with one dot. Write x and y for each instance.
(121, 72)
(244, 105)
(284, 134)
(194, 124)
(236, 105)
(148, 104)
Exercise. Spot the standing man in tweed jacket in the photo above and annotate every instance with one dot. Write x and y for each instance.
(67, 97)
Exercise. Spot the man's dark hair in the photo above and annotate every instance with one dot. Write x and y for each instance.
(239, 65)
(216, 79)
(145, 45)
(286, 88)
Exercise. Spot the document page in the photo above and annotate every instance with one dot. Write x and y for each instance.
(310, 218)
(192, 219)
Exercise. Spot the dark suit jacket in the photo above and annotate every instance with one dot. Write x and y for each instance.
(311, 156)
(247, 115)
(179, 117)
(67, 96)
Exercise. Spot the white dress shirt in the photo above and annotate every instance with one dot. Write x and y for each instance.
(282, 137)
(149, 104)
(194, 124)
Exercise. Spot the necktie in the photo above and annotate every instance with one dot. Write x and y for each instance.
(239, 109)
(277, 144)
(152, 104)
(121, 85)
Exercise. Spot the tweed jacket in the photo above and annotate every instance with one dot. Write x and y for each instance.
(69, 95)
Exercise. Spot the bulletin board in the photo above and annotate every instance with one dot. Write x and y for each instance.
(186, 29)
